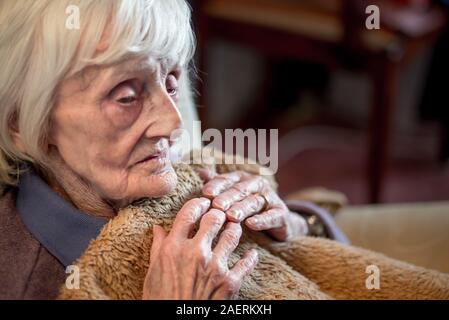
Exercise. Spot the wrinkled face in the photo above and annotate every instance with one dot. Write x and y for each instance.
(112, 126)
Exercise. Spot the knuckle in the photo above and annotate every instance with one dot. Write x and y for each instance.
(235, 176)
(279, 218)
(190, 210)
(249, 262)
(221, 177)
(270, 223)
(192, 204)
(232, 236)
(215, 217)
(254, 203)
(188, 217)
(246, 263)
(255, 183)
(219, 202)
(262, 184)
(200, 254)
(259, 201)
(240, 189)
(218, 267)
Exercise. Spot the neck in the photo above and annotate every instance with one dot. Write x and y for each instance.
(74, 189)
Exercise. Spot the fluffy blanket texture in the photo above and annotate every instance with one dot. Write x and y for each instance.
(115, 263)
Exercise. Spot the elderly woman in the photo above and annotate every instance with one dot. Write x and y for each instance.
(89, 93)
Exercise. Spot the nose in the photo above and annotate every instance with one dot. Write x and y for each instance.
(165, 116)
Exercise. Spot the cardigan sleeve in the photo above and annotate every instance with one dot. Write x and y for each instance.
(307, 209)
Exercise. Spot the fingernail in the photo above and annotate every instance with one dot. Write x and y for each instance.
(235, 214)
(205, 203)
(208, 191)
(254, 221)
(222, 204)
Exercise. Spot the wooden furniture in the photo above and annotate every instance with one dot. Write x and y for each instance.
(331, 33)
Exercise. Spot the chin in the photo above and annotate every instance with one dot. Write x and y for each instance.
(160, 184)
(141, 185)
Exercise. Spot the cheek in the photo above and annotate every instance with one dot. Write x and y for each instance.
(121, 117)
(69, 133)
(89, 144)
(90, 132)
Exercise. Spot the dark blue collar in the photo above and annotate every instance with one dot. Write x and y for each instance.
(61, 228)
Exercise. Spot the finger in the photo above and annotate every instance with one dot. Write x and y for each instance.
(222, 182)
(205, 174)
(210, 225)
(188, 216)
(245, 265)
(238, 192)
(159, 235)
(271, 219)
(247, 207)
(236, 275)
(228, 241)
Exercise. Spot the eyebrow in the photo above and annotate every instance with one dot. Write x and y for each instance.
(123, 70)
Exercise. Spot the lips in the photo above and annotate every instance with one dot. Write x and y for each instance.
(160, 156)
(151, 157)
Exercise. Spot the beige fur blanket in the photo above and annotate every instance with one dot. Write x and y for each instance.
(115, 263)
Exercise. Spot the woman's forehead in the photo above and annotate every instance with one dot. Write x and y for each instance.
(147, 65)
(147, 62)
(135, 64)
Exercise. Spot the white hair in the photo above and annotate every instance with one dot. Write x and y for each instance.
(38, 51)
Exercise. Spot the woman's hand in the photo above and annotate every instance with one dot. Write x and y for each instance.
(185, 267)
(248, 197)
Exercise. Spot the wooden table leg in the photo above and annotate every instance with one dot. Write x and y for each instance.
(384, 82)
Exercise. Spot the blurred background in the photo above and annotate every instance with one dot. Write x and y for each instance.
(361, 111)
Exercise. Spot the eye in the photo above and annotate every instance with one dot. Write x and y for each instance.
(171, 85)
(125, 94)
(127, 100)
